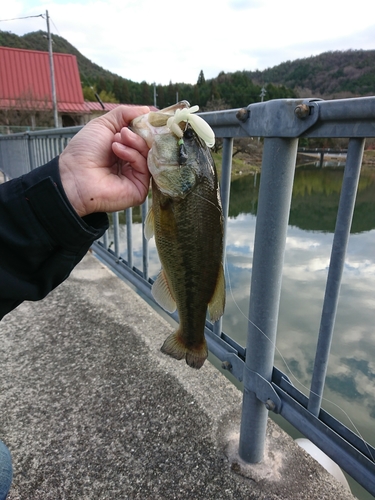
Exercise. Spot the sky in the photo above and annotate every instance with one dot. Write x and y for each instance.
(166, 41)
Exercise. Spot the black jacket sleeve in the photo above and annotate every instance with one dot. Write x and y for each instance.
(41, 236)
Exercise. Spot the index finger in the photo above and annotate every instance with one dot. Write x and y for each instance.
(133, 140)
(122, 115)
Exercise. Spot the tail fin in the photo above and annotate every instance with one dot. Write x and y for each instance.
(175, 347)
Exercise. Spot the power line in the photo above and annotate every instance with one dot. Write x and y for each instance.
(17, 18)
(28, 17)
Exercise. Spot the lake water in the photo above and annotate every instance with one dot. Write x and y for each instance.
(351, 374)
(350, 385)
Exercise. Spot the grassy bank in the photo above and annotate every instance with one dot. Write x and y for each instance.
(240, 166)
(245, 164)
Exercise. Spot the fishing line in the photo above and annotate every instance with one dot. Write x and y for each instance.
(208, 201)
(287, 365)
(279, 352)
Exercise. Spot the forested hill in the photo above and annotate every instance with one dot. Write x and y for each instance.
(329, 75)
(37, 40)
(226, 91)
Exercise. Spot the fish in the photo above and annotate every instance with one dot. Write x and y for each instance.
(186, 220)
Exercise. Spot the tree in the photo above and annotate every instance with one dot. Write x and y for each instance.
(171, 93)
(146, 93)
(124, 96)
(89, 95)
(201, 78)
(216, 105)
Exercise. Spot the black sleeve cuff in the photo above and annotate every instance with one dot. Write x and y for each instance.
(44, 192)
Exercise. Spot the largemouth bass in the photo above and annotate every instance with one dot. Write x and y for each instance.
(187, 221)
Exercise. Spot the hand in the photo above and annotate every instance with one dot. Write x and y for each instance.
(104, 166)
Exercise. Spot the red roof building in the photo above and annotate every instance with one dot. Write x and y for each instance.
(26, 95)
(25, 74)
(25, 82)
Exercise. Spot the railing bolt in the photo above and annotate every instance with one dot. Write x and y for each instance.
(243, 114)
(302, 111)
(226, 365)
(270, 405)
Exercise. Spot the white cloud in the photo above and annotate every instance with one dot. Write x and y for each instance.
(164, 41)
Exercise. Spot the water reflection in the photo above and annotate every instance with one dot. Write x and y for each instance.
(315, 200)
(350, 390)
(350, 378)
(351, 373)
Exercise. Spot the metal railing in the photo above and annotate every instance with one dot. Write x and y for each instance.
(20, 153)
(280, 123)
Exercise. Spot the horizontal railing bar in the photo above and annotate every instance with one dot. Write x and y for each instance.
(350, 459)
(335, 118)
(49, 132)
(217, 345)
(281, 380)
(343, 130)
(226, 123)
(358, 108)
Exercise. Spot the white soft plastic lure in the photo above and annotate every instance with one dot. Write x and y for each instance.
(201, 127)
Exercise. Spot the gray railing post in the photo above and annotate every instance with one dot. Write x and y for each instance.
(275, 194)
(226, 170)
(145, 253)
(116, 233)
(30, 151)
(339, 246)
(129, 235)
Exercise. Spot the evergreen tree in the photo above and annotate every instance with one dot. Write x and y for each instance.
(146, 94)
(171, 94)
(124, 96)
(201, 78)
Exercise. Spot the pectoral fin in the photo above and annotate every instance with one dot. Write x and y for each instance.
(217, 303)
(149, 225)
(162, 293)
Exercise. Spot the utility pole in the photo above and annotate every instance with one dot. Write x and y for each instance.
(155, 94)
(262, 93)
(54, 101)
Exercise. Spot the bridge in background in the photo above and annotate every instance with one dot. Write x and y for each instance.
(322, 152)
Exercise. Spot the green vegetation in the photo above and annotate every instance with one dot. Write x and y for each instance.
(316, 194)
(231, 90)
(329, 75)
(240, 166)
(89, 95)
(335, 74)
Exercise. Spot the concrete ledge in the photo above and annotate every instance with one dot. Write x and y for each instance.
(92, 410)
